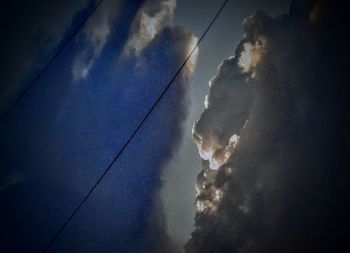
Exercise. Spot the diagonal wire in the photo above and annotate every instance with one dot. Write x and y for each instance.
(41, 72)
(134, 132)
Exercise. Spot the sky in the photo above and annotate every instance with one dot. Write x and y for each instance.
(245, 152)
(59, 139)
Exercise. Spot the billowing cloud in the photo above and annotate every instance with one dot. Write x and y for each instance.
(32, 29)
(227, 107)
(150, 19)
(95, 36)
(274, 138)
(251, 55)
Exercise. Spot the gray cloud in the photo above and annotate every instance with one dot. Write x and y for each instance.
(150, 19)
(282, 186)
(95, 36)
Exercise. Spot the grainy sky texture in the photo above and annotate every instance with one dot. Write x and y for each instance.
(246, 152)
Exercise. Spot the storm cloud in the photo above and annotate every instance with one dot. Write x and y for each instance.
(274, 138)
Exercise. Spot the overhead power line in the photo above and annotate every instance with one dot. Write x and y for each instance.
(41, 72)
(81, 203)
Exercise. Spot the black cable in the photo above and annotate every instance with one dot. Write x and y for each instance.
(31, 84)
(134, 133)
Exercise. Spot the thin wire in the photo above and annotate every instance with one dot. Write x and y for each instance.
(134, 133)
(31, 84)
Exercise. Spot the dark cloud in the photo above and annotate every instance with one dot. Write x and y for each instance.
(284, 185)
